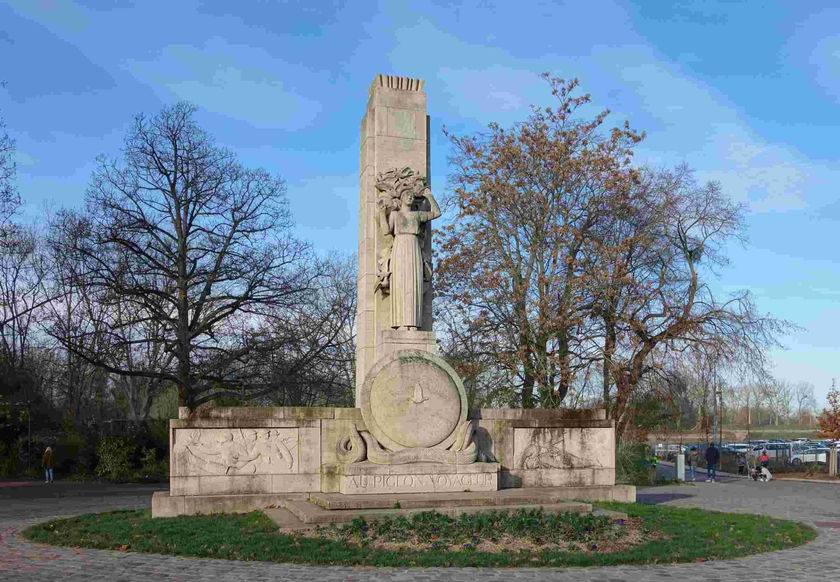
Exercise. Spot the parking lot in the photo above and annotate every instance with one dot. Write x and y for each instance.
(793, 456)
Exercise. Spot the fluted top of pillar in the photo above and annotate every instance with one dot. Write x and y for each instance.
(396, 83)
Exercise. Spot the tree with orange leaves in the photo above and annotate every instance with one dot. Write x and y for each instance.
(829, 419)
(511, 263)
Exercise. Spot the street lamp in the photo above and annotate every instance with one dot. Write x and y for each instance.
(717, 414)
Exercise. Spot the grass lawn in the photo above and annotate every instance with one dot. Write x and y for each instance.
(670, 534)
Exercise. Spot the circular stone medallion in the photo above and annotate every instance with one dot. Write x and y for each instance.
(413, 399)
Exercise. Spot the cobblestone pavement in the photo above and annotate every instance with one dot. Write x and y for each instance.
(811, 502)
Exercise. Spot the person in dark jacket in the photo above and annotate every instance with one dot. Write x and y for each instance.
(712, 459)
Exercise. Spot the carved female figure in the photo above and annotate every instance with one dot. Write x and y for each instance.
(401, 218)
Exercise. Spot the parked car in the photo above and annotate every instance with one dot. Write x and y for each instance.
(669, 452)
(738, 448)
(774, 450)
(812, 455)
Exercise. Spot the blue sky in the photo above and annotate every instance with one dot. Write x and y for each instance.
(746, 93)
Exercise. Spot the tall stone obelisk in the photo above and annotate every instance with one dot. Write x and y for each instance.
(394, 135)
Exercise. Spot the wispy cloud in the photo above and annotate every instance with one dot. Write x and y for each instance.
(236, 81)
(686, 119)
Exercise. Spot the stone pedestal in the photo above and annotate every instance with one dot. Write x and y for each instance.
(241, 459)
(392, 340)
(368, 478)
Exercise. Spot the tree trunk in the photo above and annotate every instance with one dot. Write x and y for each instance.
(609, 350)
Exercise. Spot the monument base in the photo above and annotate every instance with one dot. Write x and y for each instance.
(368, 478)
(394, 340)
(242, 459)
(166, 505)
(338, 504)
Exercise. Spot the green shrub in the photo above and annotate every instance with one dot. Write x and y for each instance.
(69, 449)
(152, 469)
(634, 464)
(115, 454)
(159, 433)
(9, 459)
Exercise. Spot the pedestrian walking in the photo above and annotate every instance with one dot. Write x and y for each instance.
(712, 459)
(690, 461)
(47, 461)
(742, 463)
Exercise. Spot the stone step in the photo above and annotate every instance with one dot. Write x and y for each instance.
(285, 519)
(521, 496)
(310, 513)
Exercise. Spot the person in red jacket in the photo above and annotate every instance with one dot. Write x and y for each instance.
(764, 459)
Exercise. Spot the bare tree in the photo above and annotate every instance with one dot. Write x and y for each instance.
(9, 200)
(179, 240)
(73, 319)
(22, 270)
(658, 303)
(305, 353)
(806, 402)
(780, 399)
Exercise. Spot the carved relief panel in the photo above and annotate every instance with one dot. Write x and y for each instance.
(563, 448)
(236, 451)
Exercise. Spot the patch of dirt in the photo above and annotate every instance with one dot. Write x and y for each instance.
(621, 535)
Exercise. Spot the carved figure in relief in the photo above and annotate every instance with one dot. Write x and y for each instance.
(418, 397)
(243, 452)
(545, 452)
(402, 267)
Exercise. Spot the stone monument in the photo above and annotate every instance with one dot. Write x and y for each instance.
(411, 430)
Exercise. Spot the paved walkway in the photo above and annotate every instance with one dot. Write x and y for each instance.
(811, 502)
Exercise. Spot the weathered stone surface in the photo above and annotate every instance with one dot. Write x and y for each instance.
(336, 435)
(166, 505)
(393, 135)
(540, 414)
(393, 340)
(244, 484)
(405, 205)
(413, 399)
(226, 452)
(559, 477)
(462, 454)
(349, 414)
(563, 448)
(367, 468)
(366, 478)
(236, 423)
(310, 513)
(502, 498)
(264, 412)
